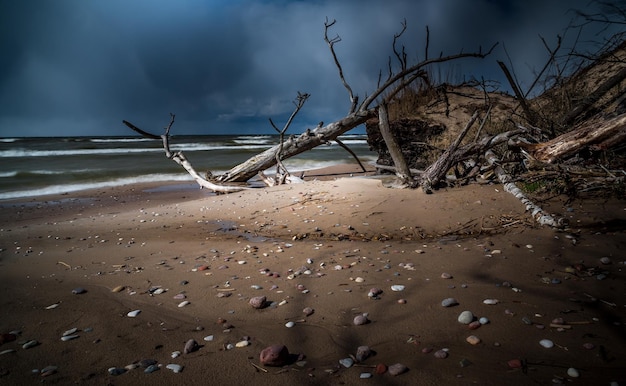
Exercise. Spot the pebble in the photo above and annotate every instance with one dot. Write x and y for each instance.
(70, 331)
(473, 339)
(30, 344)
(65, 338)
(119, 288)
(449, 302)
(491, 301)
(258, 302)
(242, 343)
(483, 320)
(374, 292)
(346, 362)
(79, 291)
(183, 303)
(572, 372)
(175, 354)
(289, 324)
(474, 325)
(365, 375)
(362, 353)
(466, 317)
(515, 363)
(151, 369)
(191, 346)
(401, 301)
(589, 346)
(446, 276)
(381, 368)
(134, 313)
(116, 370)
(308, 311)
(605, 260)
(397, 288)
(397, 369)
(441, 354)
(180, 296)
(275, 355)
(174, 367)
(547, 343)
(48, 370)
(359, 280)
(360, 320)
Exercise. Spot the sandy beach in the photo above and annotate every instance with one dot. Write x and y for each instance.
(85, 260)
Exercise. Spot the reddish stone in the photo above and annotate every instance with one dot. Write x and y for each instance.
(381, 368)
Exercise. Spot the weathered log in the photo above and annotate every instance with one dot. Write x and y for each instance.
(611, 131)
(436, 171)
(402, 169)
(536, 212)
(294, 146)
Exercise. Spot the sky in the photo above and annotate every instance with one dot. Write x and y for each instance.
(78, 68)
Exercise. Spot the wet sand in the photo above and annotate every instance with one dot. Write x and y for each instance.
(322, 244)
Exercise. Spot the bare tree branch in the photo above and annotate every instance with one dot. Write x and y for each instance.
(331, 44)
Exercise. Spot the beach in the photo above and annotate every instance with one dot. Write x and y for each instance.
(547, 305)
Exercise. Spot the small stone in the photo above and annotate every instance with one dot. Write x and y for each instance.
(258, 302)
(289, 324)
(183, 303)
(174, 367)
(145, 363)
(365, 375)
(359, 280)
(605, 260)
(547, 343)
(465, 362)
(490, 301)
(151, 369)
(466, 317)
(133, 314)
(48, 370)
(374, 292)
(441, 354)
(427, 350)
(446, 276)
(483, 320)
(275, 355)
(572, 372)
(381, 368)
(360, 320)
(401, 301)
(242, 343)
(474, 325)
(346, 362)
(514, 364)
(191, 346)
(397, 369)
(30, 344)
(308, 311)
(362, 353)
(116, 371)
(473, 339)
(397, 288)
(119, 288)
(449, 302)
(79, 291)
(589, 346)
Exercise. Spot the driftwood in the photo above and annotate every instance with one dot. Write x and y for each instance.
(402, 169)
(436, 171)
(536, 212)
(609, 132)
(180, 159)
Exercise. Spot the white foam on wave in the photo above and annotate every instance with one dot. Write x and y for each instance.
(122, 140)
(60, 189)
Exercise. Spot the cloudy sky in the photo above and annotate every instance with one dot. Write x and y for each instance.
(73, 67)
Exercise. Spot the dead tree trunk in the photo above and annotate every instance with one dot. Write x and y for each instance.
(402, 169)
(567, 144)
(294, 146)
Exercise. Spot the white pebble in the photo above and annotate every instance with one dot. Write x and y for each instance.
(183, 303)
(490, 301)
(547, 343)
(132, 314)
(397, 288)
(289, 324)
(572, 372)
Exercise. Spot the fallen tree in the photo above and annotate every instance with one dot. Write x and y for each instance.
(396, 81)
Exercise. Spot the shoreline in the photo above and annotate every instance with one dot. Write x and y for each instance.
(325, 245)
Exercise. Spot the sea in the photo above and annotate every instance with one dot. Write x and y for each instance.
(32, 167)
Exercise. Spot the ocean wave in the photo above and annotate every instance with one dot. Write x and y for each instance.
(9, 140)
(255, 139)
(122, 140)
(10, 174)
(67, 188)
(189, 147)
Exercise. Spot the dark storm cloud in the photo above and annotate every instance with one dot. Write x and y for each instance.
(79, 67)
